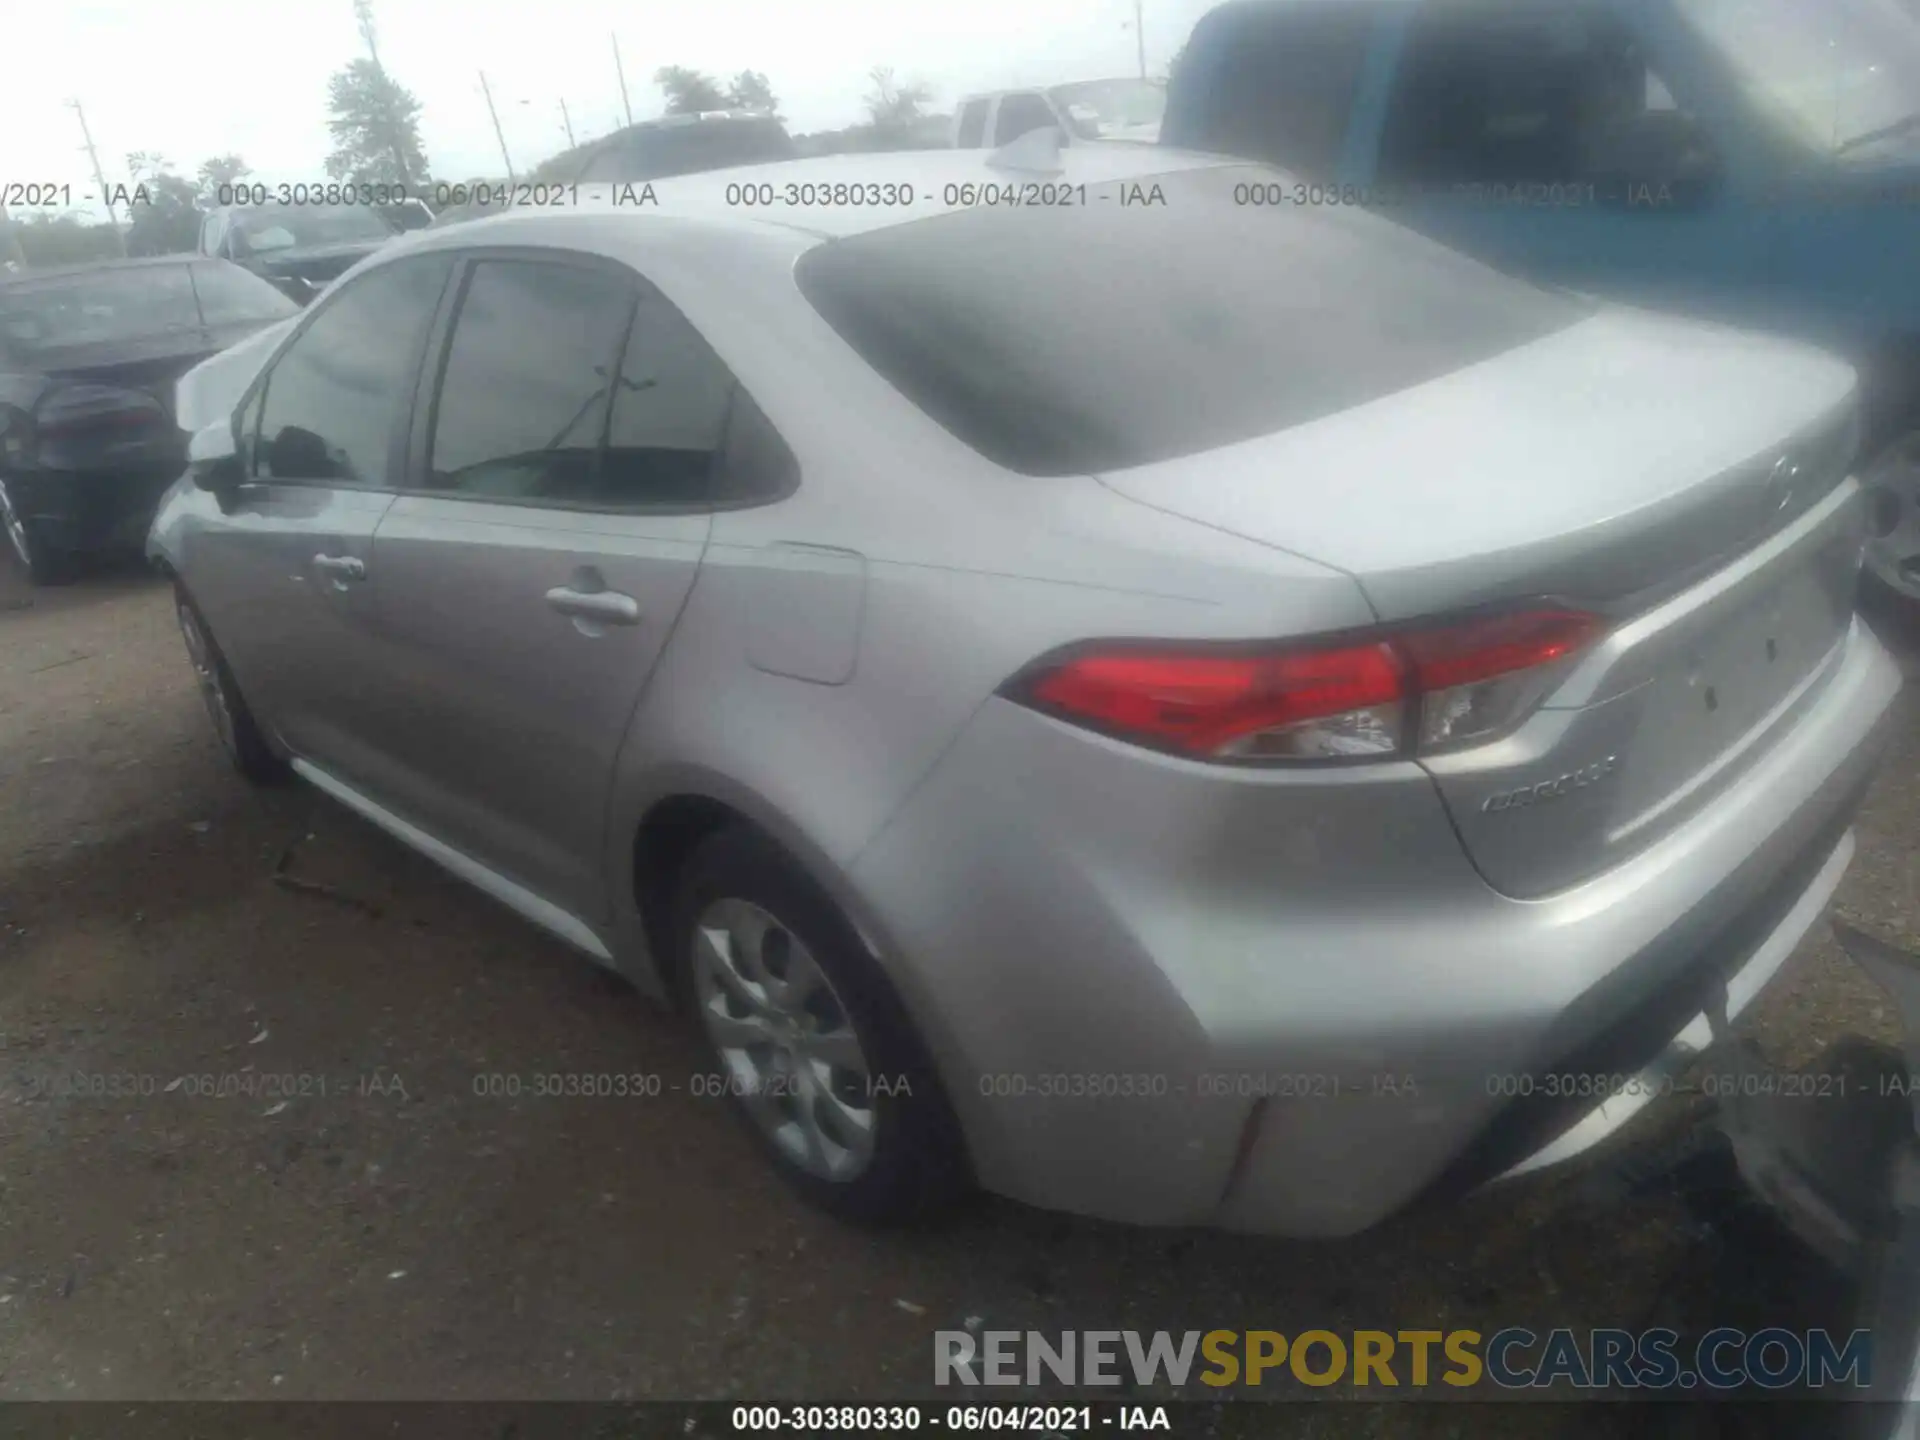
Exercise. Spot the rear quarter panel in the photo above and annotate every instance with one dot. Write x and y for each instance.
(939, 574)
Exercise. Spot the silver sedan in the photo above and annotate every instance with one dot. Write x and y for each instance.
(1155, 706)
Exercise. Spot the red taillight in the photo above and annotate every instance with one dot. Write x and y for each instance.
(1499, 645)
(65, 427)
(1204, 703)
(84, 409)
(1483, 676)
(1414, 689)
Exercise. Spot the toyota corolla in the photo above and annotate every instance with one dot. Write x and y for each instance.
(1184, 712)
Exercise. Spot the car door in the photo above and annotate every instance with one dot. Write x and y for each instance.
(530, 582)
(282, 576)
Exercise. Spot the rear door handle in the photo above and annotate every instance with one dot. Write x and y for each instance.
(609, 607)
(343, 567)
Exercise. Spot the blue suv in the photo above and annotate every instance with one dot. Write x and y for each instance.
(1756, 161)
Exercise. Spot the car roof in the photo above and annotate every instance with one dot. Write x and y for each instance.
(94, 267)
(1058, 85)
(696, 117)
(692, 120)
(703, 196)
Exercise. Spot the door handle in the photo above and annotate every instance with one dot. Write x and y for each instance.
(344, 567)
(609, 607)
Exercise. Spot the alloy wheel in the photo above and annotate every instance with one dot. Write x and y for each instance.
(1893, 498)
(793, 1056)
(206, 669)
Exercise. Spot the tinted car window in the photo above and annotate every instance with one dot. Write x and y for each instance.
(523, 400)
(1280, 84)
(973, 126)
(1533, 94)
(1003, 325)
(1019, 115)
(267, 228)
(335, 395)
(96, 307)
(670, 414)
(1097, 109)
(232, 296)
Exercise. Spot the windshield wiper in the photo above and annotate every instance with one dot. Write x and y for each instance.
(1884, 132)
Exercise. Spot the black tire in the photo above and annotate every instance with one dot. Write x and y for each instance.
(1892, 562)
(917, 1166)
(240, 738)
(25, 546)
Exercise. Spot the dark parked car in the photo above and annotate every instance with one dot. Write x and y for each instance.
(88, 360)
(300, 249)
(685, 145)
(652, 150)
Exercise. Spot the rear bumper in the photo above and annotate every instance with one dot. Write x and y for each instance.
(85, 510)
(1166, 995)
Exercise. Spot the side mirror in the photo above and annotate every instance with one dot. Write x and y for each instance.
(214, 460)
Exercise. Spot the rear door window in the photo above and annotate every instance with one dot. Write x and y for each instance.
(669, 414)
(574, 385)
(523, 398)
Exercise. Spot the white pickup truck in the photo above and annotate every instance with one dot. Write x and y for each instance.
(1124, 110)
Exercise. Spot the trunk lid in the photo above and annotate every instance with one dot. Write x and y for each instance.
(317, 262)
(1687, 482)
(149, 366)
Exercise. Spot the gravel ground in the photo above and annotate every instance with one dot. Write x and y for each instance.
(400, 1237)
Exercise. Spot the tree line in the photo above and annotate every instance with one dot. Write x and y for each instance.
(374, 124)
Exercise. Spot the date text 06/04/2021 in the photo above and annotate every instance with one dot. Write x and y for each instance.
(877, 1419)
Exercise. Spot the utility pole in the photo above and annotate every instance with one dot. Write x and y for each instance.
(99, 177)
(498, 133)
(620, 70)
(1140, 38)
(567, 120)
(363, 12)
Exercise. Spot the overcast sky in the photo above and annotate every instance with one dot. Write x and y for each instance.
(194, 78)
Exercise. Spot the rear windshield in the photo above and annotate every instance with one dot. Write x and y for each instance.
(137, 303)
(1065, 339)
(266, 228)
(232, 296)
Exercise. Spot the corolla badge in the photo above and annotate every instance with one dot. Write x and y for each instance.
(1550, 789)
